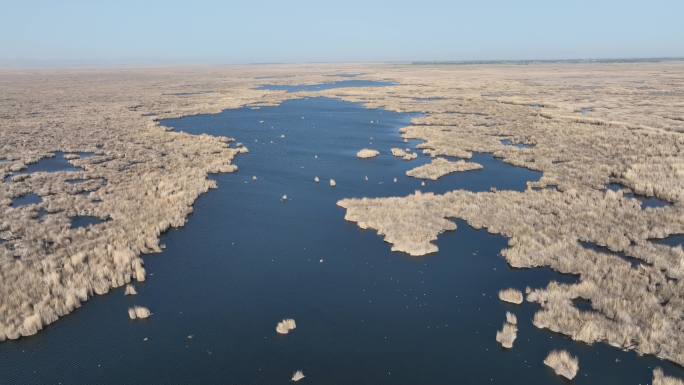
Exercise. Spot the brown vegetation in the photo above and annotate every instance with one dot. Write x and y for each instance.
(511, 318)
(507, 335)
(440, 167)
(138, 312)
(404, 154)
(562, 363)
(298, 375)
(130, 290)
(511, 295)
(285, 326)
(366, 153)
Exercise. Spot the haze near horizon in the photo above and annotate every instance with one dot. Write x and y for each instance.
(74, 32)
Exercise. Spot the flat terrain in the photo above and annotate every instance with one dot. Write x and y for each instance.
(586, 127)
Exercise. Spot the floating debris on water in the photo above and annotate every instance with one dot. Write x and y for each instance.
(439, 167)
(511, 318)
(298, 375)
(404, 154)
(366, 153)
(130, 290)
(285, 326)
(138, 312)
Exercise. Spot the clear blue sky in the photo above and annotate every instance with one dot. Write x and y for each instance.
(87, 32)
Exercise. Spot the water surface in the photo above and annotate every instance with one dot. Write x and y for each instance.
(507, 142)
(56, 163)
(25, 200)
(646, 202)
(80, 221)
(674, 240)
(633, 262)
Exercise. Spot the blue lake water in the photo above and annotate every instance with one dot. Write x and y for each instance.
(582, 304)
(326, 86)
(56, 163)
(25, 200)
(507, 142)
(85, 221)
(633, 262)
(365, 315)
(674, 240)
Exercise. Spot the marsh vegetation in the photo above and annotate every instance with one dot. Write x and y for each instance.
(146, 178)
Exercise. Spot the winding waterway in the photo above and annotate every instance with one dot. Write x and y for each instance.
(247, 259)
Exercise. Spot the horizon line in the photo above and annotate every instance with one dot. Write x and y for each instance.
(149, 64)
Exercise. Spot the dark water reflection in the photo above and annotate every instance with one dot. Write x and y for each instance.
(365, 315)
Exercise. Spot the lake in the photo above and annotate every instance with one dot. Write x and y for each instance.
(365, 315)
